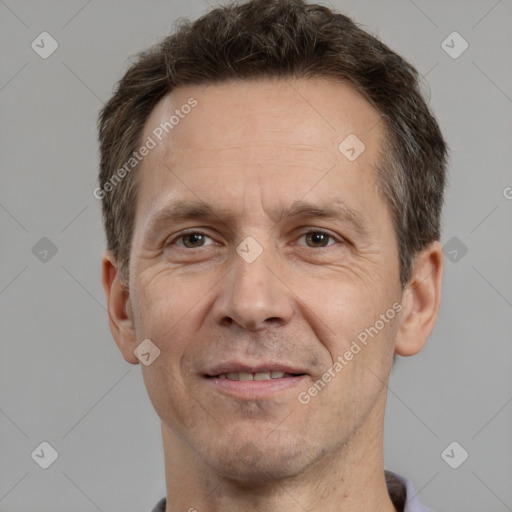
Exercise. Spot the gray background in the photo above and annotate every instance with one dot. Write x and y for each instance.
(62, 378)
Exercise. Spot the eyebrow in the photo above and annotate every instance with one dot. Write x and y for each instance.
(180, 211)
(342, 212)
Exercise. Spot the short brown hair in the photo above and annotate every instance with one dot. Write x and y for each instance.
(282, 39)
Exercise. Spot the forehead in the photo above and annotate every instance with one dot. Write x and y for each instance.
(270, 133)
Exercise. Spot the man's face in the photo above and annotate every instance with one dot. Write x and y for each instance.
(262, 156)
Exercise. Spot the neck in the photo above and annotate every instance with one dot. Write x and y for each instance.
(350, 478)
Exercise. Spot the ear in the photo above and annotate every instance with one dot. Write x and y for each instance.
(421, 299)
(120, 314)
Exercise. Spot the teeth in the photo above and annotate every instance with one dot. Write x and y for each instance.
(252, 376)
(262, 376)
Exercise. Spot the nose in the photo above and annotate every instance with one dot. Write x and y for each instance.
(253, 296)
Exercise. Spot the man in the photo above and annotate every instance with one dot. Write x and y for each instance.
(272, 183)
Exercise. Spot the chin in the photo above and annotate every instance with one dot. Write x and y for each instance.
(260, 474)
(255, 463)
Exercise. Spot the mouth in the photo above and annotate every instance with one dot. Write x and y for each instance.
(253, 383)
(259, 376)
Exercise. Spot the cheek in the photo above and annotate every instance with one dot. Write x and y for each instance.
(166, 319)
(338, 308)
(347, 389)
(346, 319)
(166, 309)
(165, 315)
(168, 396)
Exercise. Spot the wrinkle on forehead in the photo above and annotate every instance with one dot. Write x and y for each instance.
(255, 135)
(269, 108)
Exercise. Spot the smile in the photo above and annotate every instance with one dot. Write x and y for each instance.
(254, 386)
(254, 376)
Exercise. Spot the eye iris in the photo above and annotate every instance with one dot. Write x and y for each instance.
(194, 238)
(318, 238)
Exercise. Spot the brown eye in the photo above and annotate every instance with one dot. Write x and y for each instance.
(317, 239)
(191, 240)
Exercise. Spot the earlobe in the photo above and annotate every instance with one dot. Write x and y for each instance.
(421, 300)
(119, 307)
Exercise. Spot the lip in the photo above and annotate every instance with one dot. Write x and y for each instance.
(254, 389)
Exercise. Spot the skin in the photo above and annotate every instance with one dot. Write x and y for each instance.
(250, 149)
